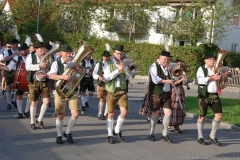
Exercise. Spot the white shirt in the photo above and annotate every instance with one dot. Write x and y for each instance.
(212, 87)
(54, 67)
(30, 66)
(13, 63)
(108, 75)
(88, 66)
(156, 79)
(6, 54)
(95, 71)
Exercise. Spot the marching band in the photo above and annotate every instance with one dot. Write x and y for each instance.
(73, 73)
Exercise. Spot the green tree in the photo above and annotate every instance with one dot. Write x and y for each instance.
(25, 15)
(130, 18)
(202, 20)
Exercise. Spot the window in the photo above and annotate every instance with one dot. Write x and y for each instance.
(181, 43)
(236, 20)
(234, 47)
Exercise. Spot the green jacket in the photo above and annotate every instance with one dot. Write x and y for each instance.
(110, 86)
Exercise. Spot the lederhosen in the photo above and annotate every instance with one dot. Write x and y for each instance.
(100, 84)
(87, 81)
(116, 94)
(158, 98)
(206, 99)
(9, 75)
(37, 87)
(60, 103)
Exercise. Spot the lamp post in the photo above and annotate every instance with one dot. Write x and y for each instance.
(38, 15)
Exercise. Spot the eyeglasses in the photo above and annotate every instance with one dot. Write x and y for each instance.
(8, 46)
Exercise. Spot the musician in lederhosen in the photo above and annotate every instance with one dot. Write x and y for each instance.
(160, 94)
(55, 73)
(9, 75)
(208, 96)
(38, 84)
(102, 93)
(87, 82)
(115, 75)
(13, 63)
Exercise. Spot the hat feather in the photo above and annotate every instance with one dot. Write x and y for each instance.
(18, 37)
(28, 40)
(38, 37)
(107, 47)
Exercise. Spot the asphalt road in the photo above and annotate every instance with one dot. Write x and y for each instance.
(18, 141)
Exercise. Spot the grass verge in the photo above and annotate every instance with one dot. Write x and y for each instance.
(230, 107)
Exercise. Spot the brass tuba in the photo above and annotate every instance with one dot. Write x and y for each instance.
(220, 69)
(47, 58)
(66, 89)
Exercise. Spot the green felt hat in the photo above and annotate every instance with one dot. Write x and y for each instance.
(66, 48)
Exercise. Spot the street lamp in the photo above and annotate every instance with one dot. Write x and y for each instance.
(38, 15)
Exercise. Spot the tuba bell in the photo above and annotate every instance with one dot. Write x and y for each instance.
(47, 58)
(221, 69)
(66, 89)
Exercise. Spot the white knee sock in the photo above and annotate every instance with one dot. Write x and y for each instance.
(19, 106)
(71, 123)
(59, 126)
(8, 97)
(110, 126)
(215, 125)
(165, 122)
(200, 129)
(14, 97)
(28, 103)
(153, 121)
(106, 110)
(33, 113)
(42, 112)
(86, 98)
(83, 101)
(100, 107)
(119, 124)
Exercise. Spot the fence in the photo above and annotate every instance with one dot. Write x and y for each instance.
(235, 81)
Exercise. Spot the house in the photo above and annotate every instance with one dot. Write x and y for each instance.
(154, 33)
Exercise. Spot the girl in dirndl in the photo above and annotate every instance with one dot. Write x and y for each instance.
(178, 111)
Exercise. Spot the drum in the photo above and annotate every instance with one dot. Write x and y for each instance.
(20, 80)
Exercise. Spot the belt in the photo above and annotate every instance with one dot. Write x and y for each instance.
(213, 93)
(166, 92)
(119, 88)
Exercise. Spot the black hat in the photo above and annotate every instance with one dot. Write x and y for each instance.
(165, 53)
(118, 47)
(48, 46)
(66, 48)
(24, 46)
(106, 54)
(14, 41)
(38, 44)
(208, 55)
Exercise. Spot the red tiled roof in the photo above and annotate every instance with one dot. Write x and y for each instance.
(10, 2)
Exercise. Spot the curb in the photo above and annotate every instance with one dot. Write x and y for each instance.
(222, 124)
